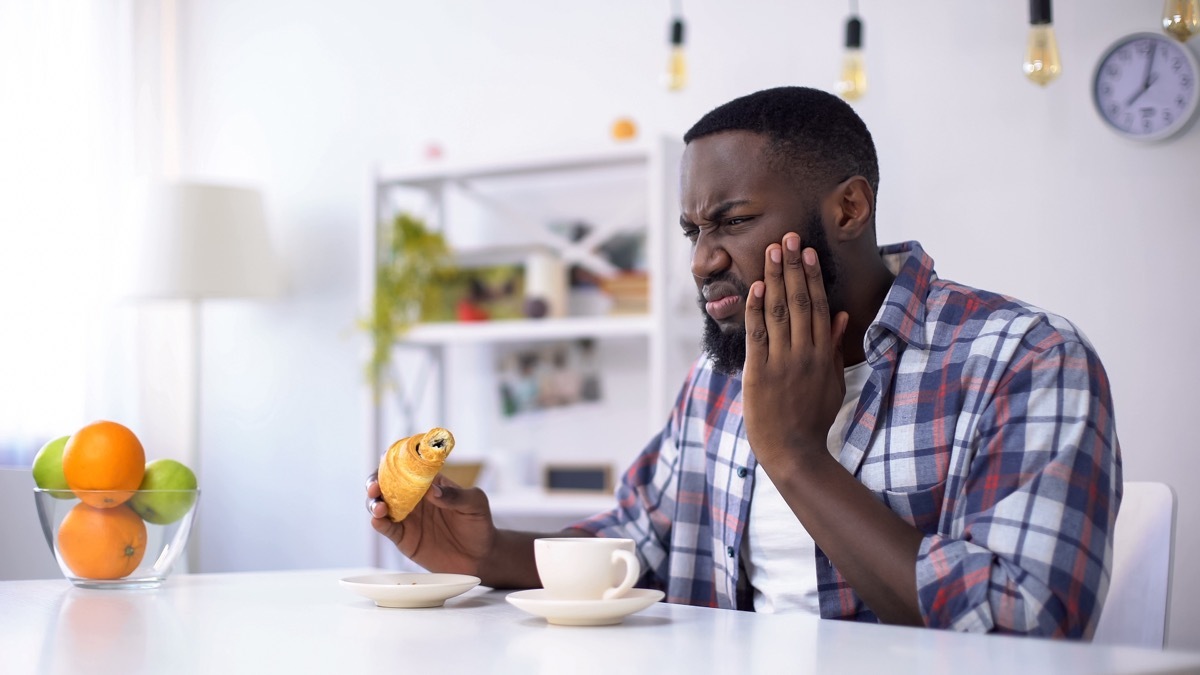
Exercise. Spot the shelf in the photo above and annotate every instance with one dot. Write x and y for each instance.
(539, 502)
(451, 333)
(492, 213)
(435, 174)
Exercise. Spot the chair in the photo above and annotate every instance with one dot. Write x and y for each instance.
(24, 553)
(1136, 611)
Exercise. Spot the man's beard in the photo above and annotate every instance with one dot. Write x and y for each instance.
(727, 348)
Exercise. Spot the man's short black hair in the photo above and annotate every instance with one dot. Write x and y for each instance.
(812, 134)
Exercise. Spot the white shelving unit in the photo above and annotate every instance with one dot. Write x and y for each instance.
(511, 203)
(441, 334)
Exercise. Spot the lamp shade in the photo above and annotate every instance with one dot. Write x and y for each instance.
(204, 241)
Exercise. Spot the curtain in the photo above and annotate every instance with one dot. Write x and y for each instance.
(66, 155)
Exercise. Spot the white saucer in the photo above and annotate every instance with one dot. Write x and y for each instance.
(583, 612)
(410, 589)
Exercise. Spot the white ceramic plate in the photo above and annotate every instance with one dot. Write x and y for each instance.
(583, 612)
(410, 589)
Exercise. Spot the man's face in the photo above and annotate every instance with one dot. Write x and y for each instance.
(733, 206)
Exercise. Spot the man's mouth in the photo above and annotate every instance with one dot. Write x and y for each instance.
(722, 299)
(724, 307)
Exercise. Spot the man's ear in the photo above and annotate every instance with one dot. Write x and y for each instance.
(850, 208)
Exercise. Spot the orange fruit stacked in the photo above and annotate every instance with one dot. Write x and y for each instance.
(104, 456)
(102, 537)
(102, 543)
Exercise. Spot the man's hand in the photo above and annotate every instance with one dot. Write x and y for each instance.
(450, 530)
(792, 387)
(793, 382)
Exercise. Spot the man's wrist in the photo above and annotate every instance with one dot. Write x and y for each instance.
(801, 457)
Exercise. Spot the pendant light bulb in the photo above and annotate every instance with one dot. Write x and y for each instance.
(676, 63)
(1042, 64)
(852, 84)
(1181, 18)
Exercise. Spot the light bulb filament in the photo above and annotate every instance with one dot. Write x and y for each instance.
(676, 62)
(1181, 18)
(852, 83)
(1042, 64)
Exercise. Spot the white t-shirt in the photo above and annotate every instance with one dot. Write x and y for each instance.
(780, 555)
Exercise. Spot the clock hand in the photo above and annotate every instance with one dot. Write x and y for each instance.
(1138, 94)
(1147, 80)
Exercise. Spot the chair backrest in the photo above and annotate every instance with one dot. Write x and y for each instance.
(1136, 610)
(24, 553)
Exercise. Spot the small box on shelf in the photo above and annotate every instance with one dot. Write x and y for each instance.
(579, 478)
(630, 292)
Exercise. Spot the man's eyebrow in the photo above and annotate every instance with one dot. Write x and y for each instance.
(718, 212)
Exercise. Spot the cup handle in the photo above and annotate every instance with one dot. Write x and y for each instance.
(632, 571)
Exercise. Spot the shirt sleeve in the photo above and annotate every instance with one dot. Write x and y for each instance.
(1030, 550)
(646, 498)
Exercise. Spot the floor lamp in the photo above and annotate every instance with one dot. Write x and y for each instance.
(200, 242)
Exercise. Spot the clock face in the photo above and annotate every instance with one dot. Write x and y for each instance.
(1145, 86)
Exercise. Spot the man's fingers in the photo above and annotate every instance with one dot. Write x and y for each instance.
(445, 494)
(819, 326)
(797, 298)
(377, 508)
(756, 329)
(393, 531)
(775, 299)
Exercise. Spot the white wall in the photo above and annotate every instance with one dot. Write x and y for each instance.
(1011, 187)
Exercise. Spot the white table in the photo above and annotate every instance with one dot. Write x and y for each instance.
(305, 622)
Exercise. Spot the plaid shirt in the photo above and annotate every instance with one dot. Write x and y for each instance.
(985, 423)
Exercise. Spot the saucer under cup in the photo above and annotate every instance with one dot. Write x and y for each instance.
(583, 612)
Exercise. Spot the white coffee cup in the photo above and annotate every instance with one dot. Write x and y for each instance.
(586, 568)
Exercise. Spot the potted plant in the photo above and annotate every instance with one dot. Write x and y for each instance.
(413, 261)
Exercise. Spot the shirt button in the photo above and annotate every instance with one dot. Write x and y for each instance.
(741, 472)
(729, 551)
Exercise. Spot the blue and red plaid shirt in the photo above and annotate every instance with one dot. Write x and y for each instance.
(986, 423)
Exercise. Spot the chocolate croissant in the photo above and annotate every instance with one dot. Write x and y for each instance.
(407, 469)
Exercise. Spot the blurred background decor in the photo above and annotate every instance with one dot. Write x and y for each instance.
(198, 242)
(410, 277)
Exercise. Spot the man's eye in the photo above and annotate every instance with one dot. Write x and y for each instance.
(691, 233)
(736, 221)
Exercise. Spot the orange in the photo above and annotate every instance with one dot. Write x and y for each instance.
(102, 543)
(104, 456)
(624, 129)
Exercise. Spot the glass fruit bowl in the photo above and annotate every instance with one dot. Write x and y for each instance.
(116, 539)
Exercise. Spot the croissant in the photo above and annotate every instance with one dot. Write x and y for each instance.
(408, 467)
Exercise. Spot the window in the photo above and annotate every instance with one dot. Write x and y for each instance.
(60, 182)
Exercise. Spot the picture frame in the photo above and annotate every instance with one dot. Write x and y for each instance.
(577, 478)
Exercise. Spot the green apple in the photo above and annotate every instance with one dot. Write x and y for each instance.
(48, 471)
(163, 508)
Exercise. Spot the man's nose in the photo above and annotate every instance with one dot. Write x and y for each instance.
(708, 257)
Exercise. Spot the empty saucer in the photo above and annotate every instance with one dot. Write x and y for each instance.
(583, 612)
(410, 589)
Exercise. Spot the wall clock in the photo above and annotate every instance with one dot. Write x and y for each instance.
(1145, 88)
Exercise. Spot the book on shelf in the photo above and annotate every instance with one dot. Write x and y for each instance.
(630, 292)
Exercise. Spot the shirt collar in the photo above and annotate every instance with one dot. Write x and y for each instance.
(902, 315)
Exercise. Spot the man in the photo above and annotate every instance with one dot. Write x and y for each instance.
(860, 438)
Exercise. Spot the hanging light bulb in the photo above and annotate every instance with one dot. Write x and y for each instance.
(1181, 18)
(676, 64)
(852, 84)
(1041, 54)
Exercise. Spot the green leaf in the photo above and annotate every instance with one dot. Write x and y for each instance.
(412, 260)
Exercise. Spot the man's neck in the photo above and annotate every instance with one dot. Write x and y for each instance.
(864, 308)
